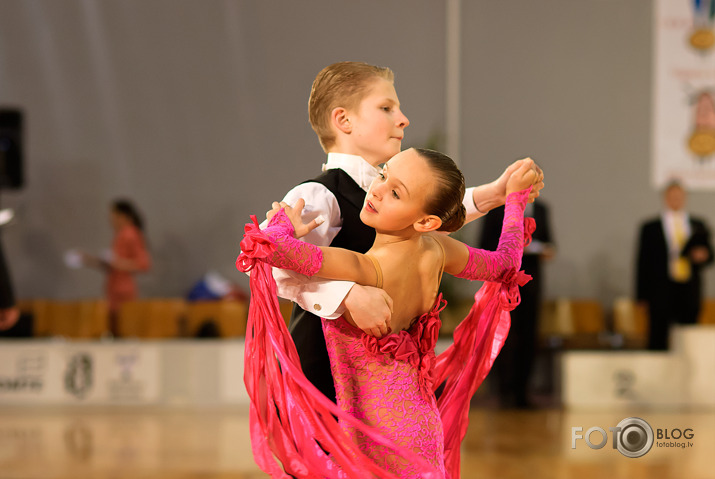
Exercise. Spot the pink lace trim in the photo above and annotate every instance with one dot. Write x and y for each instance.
(276, 246)
(486, 265)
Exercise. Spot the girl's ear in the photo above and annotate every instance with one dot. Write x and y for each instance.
(340, 120)
(427, 223)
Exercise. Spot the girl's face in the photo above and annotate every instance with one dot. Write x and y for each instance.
(397, 197)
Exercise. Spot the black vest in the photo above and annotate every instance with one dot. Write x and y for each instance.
(306, 328)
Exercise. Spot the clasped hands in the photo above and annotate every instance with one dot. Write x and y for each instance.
(520, 175)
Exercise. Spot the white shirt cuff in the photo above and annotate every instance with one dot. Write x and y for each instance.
(323, 298)
(468, 202)
(472, 212)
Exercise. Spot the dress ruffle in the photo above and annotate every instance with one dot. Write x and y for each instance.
(414, 345)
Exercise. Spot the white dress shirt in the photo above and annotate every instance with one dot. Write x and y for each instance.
(321, 297)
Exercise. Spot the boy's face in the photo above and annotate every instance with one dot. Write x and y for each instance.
(377, 124)
(397, 197)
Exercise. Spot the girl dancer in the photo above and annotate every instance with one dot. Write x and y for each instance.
(390, 425)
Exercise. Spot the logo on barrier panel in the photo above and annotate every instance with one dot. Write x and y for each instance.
(79, 376)
(28, 376)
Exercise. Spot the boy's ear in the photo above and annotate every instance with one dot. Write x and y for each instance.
(427, 223)
(339, 119)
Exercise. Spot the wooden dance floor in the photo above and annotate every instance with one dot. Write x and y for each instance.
(169, 443)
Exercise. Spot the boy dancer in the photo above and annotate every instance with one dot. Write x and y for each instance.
(356, 114)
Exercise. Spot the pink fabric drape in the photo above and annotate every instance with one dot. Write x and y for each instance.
(292, 422)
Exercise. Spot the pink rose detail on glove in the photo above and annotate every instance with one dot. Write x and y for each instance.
(254, 246)
(509, 295)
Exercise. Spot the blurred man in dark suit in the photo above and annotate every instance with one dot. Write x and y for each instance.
(514, 364)
(9, 313)
(672, 250)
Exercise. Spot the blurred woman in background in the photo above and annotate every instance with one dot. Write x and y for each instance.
(129, 255)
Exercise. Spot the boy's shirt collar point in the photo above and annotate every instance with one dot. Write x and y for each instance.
(359, 170)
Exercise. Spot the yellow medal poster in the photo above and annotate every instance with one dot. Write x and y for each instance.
(684, 93)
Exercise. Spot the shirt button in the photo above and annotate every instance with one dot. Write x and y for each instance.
(316, 307)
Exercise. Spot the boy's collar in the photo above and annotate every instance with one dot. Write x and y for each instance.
(359, 170)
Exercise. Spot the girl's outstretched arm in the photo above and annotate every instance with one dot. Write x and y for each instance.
(277, 246)
(463, 261)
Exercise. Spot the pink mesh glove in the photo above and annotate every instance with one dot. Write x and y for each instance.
(502, 265)
(276, 246)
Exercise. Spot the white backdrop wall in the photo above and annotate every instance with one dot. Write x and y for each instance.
(569, 83)
(198, 112)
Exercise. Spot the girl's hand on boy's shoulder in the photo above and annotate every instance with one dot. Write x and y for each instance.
(294, 214)
(275, 208)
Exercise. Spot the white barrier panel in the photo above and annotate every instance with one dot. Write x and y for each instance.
(111, 373)
(78, 372)
(30, 373)
(696, 345)
(232, 389)
(122, 372)
(682, 376)
(613, 379)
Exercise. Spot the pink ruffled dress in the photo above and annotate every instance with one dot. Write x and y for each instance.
(387, 423)
(387, 383)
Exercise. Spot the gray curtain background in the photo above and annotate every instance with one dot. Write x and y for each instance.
(197, 110)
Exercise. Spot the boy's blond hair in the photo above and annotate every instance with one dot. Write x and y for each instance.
(342, 84)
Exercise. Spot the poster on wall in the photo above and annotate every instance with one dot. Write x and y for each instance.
(683, 145)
